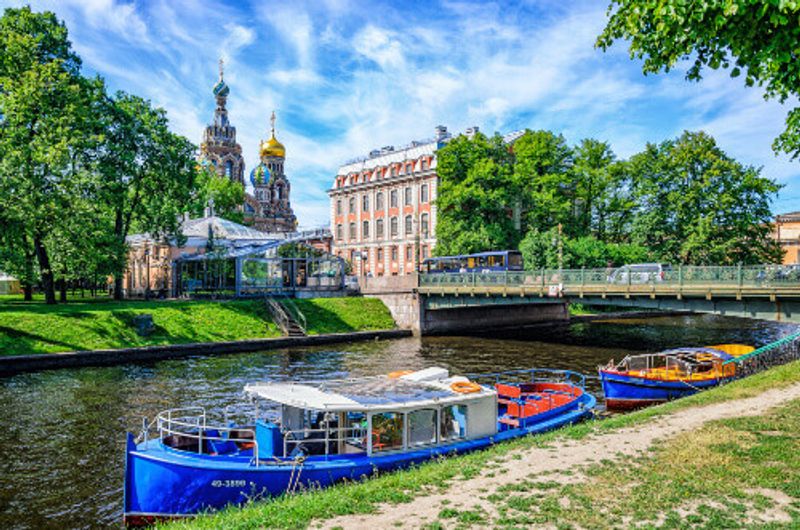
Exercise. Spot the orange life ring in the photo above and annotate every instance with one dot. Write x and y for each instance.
(465, 387)
(399, 373)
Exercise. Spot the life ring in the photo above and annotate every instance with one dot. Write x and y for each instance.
(399, 373)
(465, 387)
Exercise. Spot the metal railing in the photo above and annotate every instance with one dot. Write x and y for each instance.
(756, 276)
(534, 375)
(294, 312)
(181, 422)
(779, 352)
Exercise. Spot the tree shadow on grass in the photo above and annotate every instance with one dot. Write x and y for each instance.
(25, 342)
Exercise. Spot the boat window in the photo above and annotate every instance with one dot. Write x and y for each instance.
(354, 433)
(422, 427)
(387, 431)
(453, 422)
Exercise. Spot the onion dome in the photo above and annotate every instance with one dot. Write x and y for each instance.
(259, 175)
(221, 90)
(272, 147)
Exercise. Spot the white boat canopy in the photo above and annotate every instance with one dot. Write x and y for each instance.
(430, 387)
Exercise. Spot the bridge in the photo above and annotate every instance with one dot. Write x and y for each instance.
(770, 292)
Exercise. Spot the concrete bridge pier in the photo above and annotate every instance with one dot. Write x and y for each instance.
(436, 314)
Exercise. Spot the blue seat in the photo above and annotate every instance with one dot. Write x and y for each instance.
(216, 446)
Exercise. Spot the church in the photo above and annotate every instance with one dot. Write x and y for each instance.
(268, 208)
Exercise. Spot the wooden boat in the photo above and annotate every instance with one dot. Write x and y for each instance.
(318, 433)
(647, 379)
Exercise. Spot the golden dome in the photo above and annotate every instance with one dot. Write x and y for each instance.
(272, 147)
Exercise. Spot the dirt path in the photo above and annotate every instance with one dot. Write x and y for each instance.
(570, 454)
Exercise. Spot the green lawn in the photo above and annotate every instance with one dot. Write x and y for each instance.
(297, 511)
(34, 327)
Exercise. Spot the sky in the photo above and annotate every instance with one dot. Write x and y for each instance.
(346, 77)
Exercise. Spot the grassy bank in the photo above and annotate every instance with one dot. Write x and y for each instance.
(27, 328)
(299, 510)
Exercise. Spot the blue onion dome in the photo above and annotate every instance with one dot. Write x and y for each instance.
(221, 89)
(260, 175)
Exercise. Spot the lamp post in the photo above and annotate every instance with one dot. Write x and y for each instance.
(147, 268)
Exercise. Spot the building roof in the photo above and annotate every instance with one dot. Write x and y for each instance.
(222, 228)
(411, 152)
(790, 216)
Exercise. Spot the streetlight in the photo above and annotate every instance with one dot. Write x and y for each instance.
(147, 268)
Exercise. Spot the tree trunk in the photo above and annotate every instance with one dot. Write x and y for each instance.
(62, 285)
(47, 274)
(27, 290)
(118, 287)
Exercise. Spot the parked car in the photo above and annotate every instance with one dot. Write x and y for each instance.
(640, 273)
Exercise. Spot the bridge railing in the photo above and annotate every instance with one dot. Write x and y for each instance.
(756, 276)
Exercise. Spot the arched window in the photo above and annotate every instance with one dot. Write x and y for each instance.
(278, 192)
(409, 225)
(379, 201)
(228, 169)
(424, 223)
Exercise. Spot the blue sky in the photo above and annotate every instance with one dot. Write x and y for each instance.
(347, 76)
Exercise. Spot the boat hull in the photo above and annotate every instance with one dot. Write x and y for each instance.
(626, 392)
(162, 483)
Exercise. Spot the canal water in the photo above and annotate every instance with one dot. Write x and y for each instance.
(62, 432)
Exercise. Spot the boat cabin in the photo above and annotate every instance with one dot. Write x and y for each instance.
(680, 363)
(373, 415)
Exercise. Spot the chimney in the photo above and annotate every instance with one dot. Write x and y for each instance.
(441, 133)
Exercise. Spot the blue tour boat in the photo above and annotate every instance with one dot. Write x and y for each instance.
(314, 434)
(648, 379)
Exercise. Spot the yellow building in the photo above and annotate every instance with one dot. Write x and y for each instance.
(787, 234)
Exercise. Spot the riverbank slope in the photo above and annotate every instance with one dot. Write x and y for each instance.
(33, 327)
(727, 457)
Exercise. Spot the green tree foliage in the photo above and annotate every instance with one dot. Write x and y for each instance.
(476, 193)
(227, 194)
(757, 38)
(78, 169)
(540, 250)
(697, 205)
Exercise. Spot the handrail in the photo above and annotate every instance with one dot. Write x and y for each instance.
(295, 313)
(297, 441)
(565, 375)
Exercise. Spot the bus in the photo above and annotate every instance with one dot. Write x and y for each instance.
(495, 261)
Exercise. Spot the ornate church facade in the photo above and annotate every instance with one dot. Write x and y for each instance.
(268, 208)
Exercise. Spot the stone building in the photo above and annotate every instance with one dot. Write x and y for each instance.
(787, 234)
(268, 208)
(383, 216)
(219, 147)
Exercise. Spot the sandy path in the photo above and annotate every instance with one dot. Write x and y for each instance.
(571, 453)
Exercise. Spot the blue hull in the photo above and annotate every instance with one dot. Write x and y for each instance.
(161, 482)
(627, 392)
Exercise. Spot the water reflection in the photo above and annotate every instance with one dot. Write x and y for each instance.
(63, 431)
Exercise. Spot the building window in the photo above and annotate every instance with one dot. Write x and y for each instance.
(393, 199)
(424, 223)
(352, 231)
(393, 171)
(409, 168)
(409, 225)
(338, 206)
(424, 251)
(379, 201)
(228, 169)
(394, 253)
(424, 164)
(379, 228)
(365, 203)
(423, 193)
(407, 194)
(339, 232)
(351, 207)
(409, 253)
(365, 230)
(380, 255)
(393, 227)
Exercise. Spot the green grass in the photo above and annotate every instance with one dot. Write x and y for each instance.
(33, 327)
(727, 474)
(297, 511)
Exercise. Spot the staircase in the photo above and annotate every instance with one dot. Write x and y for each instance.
(287, 316)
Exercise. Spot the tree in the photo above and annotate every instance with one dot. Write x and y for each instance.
(40, 105)
(145, 173)
(759, 39)
(227, 194)
(476, 196)
(696, 205)
(594, 187)
(543, 181)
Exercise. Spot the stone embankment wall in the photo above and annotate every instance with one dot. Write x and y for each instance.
(399, 295)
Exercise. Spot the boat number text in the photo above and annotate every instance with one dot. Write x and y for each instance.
(228, 483)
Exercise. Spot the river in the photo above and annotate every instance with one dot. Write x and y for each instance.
(62, 431)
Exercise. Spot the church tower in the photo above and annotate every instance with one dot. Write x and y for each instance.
(269, 207)
(219, 148)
